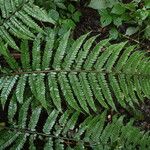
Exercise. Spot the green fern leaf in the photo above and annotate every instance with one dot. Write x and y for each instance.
(21, 28)
(90, 132)
(87, 90)
(49, 145)
(99, 126)
(67, 91)
(124, 88)
(97, 89)
(48, 50)
(54, 92)
(7, 139)
(3, 50)
(28, 21)
(61, 51)
(7, 87)
(37, 13)
(16, 31)
(25, 57)
(5, 35)
(34, 118)
(115, 132)
(116, 90)
(124, 57)
(92, 57)
(58, 144)
(71, 55)
(40, 87)
(37, 86)
(106, 90)
(12, 109)
(23, 114)
(77, 88)
(138, 88)
(10, 60)
(71, 123)
(131, 89)
(2, 81)
(62, 122)
(19, 142)
(21, 88)
(31, 142)
(84, 52)
(82, 128)
(50, 121)
(114, 56)
(36, 54)
(90, 127)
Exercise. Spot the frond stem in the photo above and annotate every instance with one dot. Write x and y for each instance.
(27, 131)
(77, 71)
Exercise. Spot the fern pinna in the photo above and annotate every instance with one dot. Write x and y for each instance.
(83, 78)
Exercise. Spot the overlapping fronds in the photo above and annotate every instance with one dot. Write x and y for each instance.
(78, 75)
(68, 131)
(18, 18)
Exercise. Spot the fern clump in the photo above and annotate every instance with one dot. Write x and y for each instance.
(83, 78)
(64, 93)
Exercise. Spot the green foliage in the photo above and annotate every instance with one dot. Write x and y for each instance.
(64, 13)
(68, 18)
(83, 76)
(18, 19)
(51, 4)
(59, 129)
(136, 14)
(67, 94)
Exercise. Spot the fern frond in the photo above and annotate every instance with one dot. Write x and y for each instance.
(18, 19)
(65, 130)
(77, 75)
